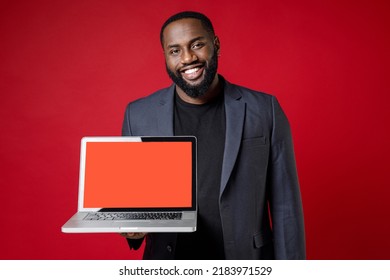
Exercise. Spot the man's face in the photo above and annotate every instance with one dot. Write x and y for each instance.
(191, 56)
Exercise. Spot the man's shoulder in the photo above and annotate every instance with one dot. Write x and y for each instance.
(156, 97)
(247, 93)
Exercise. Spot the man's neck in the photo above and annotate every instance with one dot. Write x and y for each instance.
(213, 91)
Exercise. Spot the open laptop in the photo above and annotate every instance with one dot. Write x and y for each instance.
(136, 184)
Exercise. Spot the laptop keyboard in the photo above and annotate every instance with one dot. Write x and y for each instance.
(134, 216)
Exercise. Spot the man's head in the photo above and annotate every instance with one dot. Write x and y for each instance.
(191, 52)
(207, 25)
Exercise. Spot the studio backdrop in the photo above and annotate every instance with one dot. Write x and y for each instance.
(69, 68)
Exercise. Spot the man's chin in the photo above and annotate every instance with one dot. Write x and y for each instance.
(193, 84)
(193, 88)
(192, 91)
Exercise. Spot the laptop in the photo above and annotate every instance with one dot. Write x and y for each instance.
(136, 184)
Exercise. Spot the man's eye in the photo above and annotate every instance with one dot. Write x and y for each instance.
(197, 45)
(174, 52)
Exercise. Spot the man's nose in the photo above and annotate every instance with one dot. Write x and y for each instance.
(188, 57)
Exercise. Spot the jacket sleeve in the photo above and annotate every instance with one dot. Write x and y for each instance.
(135, 243)
(126, 131)
(285, 198)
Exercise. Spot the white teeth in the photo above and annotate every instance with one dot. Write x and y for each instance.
(190, 71)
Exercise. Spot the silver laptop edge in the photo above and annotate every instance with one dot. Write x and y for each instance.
(77, 223)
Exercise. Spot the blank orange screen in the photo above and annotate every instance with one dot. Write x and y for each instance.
(138, 175)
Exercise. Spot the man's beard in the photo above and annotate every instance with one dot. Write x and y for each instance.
(196, 91)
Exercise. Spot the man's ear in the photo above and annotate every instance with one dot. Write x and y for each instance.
(217, 45)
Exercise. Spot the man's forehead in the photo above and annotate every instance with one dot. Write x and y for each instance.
(183, 30)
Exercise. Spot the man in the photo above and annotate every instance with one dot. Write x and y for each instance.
(249, 199)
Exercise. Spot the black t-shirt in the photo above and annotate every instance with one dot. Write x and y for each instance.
(207, 123)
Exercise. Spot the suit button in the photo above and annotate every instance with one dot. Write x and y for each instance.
(169, 248)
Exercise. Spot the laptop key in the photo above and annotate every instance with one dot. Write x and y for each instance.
(134, 216)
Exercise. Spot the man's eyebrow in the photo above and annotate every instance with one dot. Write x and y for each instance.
(192, 40)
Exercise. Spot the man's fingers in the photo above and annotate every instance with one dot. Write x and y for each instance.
(133, 235)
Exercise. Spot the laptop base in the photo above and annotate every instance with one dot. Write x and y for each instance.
(77, 224)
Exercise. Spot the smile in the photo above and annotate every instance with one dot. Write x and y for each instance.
(191, 71)
(192, 74)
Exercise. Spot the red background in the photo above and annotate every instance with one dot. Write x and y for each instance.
(68, 69)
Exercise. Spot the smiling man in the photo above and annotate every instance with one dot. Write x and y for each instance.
(191, 59)
(249, 204)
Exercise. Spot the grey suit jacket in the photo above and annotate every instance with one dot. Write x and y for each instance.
(258, 175)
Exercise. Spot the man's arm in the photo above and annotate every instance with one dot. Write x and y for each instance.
(126, 130)
(285, 197)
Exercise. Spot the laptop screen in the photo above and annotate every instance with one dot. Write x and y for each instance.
(139, 173)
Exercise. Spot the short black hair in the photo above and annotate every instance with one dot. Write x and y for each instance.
(188, 14)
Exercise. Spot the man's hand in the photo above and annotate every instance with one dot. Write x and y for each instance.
(133, 235)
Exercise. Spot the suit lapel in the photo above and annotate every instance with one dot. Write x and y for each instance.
(235, 114)
(165, 113)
